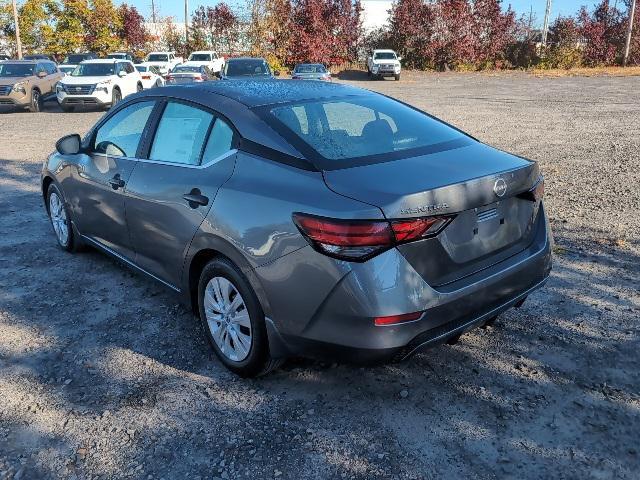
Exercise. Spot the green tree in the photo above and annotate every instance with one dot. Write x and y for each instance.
(102, 26)
(69, 35)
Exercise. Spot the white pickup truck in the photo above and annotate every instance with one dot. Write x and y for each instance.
(164, 61)
(384, 63)
(206, 58)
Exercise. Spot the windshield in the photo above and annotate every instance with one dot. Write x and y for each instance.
(310, 69)
(351, 127)
(200, 57)
(67, 69)
(246, 68)
(141, 69)
(385, 56)
(94, 70)
(158, 57)
(120, 56)
(16, 69)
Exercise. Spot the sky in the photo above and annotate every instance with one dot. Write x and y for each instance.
(175, 8)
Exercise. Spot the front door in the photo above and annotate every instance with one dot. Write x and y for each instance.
(99, 184)
(170, 194)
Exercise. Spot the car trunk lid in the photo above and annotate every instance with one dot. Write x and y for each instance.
(476, 183)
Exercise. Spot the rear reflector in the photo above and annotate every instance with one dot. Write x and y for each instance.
(395, 319)
(359, 240)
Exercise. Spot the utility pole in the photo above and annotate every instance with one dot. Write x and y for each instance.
(15, 19)
(545, 28)
(629, 32)
(186, 21)
(153, 11)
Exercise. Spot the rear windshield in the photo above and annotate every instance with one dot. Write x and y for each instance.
(187, 69)
(94, 70)
(200, 57)
(342, 132)
(246, 68)
(75, 59)
(16, 69)
(309, 69)
(141, 69)
(157, 57)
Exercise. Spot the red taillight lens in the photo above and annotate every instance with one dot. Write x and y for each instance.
(198, 78)
(395, 319)
(146, 77)
(359, 240)
(536, 193)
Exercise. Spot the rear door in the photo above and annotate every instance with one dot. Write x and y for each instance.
(96, 188)
(170, 193)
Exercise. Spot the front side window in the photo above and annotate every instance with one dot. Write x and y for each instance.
(120, 135)
(342, 129)
(181, 134)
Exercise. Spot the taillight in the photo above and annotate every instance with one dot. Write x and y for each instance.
(146, 77)
(198, 78)
(536, 193)
(359, 240)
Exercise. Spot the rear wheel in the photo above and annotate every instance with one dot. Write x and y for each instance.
(139, 87)
(36, 101)
(233, 320)
(60, 219)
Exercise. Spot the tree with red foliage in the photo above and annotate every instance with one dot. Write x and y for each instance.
(603, 33)
(494, 31)
(411, 31)
(132, 32)
(455, 43)
(324, 31)
(219, 24)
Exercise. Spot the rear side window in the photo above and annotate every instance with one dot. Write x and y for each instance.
(220, 141)
(337, 131)
(120, 135)
(181, 134)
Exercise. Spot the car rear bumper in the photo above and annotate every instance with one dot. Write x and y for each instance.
(342, 327)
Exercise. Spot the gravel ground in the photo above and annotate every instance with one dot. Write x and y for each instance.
(104, 375)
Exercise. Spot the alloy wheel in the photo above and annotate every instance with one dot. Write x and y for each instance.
(228, 319)
(59, 219)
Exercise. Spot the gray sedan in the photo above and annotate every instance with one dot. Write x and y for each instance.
(310, 71)
(304, 218)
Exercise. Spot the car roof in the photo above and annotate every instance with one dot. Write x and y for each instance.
(244, 59)
(105, 60)
(29, 62)
(384, 50)
(254, 93)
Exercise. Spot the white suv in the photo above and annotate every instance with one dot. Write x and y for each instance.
(206, 58)
(100, 83)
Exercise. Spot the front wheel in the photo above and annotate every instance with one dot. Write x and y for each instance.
(397, 77)
(233, 320)
(116, 96)
(36, 101)
(60, 219)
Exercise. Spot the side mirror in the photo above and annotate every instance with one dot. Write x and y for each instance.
(122, 73)
(277, 73)
(399, 59)
(69, 145)
(42, 74)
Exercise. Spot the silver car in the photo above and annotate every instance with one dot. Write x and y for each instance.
(303, 218)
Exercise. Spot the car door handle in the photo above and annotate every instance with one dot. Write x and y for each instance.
(195, 198)
(116, 182)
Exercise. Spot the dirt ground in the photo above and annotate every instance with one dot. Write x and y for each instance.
(103, 375)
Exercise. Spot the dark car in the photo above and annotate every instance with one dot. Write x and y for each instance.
(76, 58)
(304, 218)
(189, 74)
(4, 57)
(39, 56)
(247, 68)
(310, 71)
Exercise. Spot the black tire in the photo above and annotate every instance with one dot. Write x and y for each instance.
(158, 83)
(67, 108)
(258, 361)
(36, 101)
(72, 244)
(397, 77)
(139, 87)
